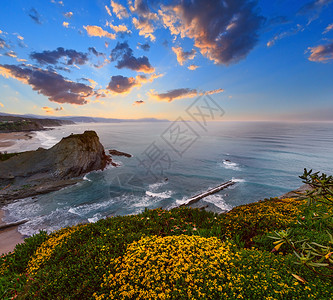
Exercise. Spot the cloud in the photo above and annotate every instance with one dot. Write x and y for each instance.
(52, 57)
(321, 53)
(224, 31)
(1, 104)
(35, 16)
(138, 102)
(183, 56)
(108, 10)
(278, 20)
(193, 67)
(50, 110)
(65, 24)
(119, 10)
(123, 85)
(68, 14)
(284, 34)
(98, 31)
(145, 47)
(214, 91)
(21, 59)
(145, 27)
(173, 94)
(49, 83)
(11, 53)
(313, 8)
(120, 84)
(95, 52)
(123, 54)
(119, 28)
(314, 5)
(328, 28)
(3, 44)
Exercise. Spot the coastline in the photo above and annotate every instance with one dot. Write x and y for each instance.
(9, 237)
(10, 141)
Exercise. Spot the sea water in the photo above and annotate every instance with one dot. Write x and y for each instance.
(265, 160)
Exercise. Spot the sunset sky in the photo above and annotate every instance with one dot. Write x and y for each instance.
(265, 60)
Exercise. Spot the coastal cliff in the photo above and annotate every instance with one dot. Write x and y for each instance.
(44, 170)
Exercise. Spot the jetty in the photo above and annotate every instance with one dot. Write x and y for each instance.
(214, 190)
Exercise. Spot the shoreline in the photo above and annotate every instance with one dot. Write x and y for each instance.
(9, 237)
(11, 140)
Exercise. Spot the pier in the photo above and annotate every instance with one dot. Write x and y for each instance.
(214, 190)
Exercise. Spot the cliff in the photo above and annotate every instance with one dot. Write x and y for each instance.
(34, 172)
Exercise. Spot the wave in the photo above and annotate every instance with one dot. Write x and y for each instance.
(156, 185)
(238, 180)
(227, 164)
(163, 195)
(47, 141)
(218, 200)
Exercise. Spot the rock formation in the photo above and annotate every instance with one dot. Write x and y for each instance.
(34, 172)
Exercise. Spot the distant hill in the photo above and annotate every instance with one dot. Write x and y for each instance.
(13, 123)
(84, 119)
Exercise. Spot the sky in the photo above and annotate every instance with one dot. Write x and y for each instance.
(259, 60)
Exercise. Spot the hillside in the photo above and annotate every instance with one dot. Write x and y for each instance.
(10, 123)
(179, 254)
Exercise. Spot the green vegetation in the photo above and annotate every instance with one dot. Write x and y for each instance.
(179, 254)
(4, 155)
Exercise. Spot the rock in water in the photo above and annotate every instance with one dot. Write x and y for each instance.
(39, 170)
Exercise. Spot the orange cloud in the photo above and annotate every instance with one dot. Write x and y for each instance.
(183, 56)
(145, 28)
(223, 33)
(119, 10)
(65, 24)
(123, 85)
(68, 14)
(118, 28)
(1, 104)
(214, 91)
(328, 28)
(98, 31)
(321, 53)
(108, 10)
(193, 67)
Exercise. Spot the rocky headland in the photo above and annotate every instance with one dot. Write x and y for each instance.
(36, 172)
(19, 124)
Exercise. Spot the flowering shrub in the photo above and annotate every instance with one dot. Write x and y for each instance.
(172, 267)
(46, 249)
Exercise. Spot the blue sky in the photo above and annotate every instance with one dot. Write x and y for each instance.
(265, 60)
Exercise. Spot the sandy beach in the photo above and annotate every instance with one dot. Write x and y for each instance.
(9, 139)
(9, 237)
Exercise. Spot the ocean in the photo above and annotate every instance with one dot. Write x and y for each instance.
(172, 162)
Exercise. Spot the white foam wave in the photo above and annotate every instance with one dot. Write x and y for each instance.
(238, 180)
(86, 178)
(47, 141)
(218, 201)
(154, 186)
(95, 218)
(163, 195)
(227, 164)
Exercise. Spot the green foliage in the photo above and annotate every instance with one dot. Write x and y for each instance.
(13, 265)
(317, 221)
(4, 155)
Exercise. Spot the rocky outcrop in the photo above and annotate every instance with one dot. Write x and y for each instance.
(34, 172)
(114, 152)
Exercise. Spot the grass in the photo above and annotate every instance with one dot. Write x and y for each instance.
(4, 155)
(179, 254)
